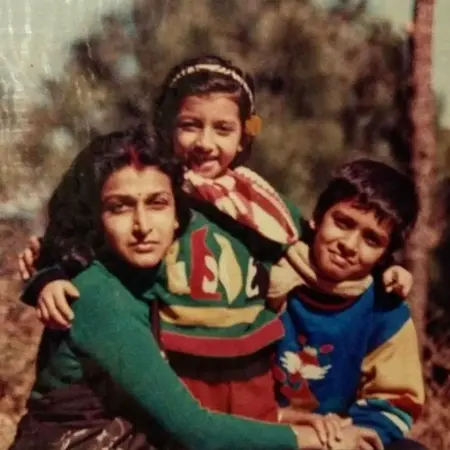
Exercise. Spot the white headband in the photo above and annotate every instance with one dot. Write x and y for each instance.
(215, 68)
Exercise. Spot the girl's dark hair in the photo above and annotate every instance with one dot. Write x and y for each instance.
(187, 79)
(74, 235)
(377, 187)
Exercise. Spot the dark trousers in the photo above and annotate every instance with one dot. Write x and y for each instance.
(405, 444)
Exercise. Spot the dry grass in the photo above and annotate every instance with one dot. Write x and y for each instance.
(19, 333)
(433, 428)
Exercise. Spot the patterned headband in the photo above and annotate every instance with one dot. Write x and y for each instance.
(215, 68)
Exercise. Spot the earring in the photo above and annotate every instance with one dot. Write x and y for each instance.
(253, 125)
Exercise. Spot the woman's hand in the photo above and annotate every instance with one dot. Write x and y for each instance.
(328, 427)
(27, 258)
(53, 308)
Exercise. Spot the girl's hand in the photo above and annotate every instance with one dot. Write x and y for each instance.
(53, 308)
(398, 280)
(328, 427)
(28, 257)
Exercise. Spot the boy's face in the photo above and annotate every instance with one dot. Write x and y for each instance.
(349, 241)
(208, 133)
(139, 215)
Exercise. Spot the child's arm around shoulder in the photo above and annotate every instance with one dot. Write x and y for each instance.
(34, 285)
(47, 289)
(50, 292)
(398, 280)
(391, 393)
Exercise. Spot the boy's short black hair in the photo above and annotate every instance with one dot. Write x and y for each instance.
(374, 186)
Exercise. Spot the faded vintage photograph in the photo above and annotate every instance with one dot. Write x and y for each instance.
(224, 224)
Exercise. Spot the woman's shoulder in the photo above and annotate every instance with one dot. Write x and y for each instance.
(101, 294)
(95, 277)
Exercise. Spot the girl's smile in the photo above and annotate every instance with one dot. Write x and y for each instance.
(208, 133)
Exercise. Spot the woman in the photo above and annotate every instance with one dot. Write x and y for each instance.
(103, 384)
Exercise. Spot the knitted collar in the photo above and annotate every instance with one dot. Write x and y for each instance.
(303, 273)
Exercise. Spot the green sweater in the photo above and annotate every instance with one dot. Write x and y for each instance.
(111, 327)
(213, 288)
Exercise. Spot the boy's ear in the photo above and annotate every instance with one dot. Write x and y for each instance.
(312, 224)
(240, 148)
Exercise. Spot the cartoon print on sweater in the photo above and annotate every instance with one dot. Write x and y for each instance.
(300, 368)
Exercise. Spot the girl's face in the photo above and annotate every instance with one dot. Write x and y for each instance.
(138, 214)
(208, 133)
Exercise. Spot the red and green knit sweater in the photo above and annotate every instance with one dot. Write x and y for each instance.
(213, 288)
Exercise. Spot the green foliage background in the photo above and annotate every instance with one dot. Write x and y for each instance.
(330, 84)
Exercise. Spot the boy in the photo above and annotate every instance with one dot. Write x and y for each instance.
(350, 348)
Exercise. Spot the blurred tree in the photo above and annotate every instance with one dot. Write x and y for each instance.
(330, 83)
(424, 157)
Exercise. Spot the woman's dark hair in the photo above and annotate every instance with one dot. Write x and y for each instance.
(74, 235)
(201, 76)
(377, 187)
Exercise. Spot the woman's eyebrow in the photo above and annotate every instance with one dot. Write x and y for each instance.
(187, 115)
(118, 197)
(159, 195)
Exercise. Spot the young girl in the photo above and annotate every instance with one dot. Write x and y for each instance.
(219, 296)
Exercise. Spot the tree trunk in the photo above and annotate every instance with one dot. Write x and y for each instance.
(423, 158)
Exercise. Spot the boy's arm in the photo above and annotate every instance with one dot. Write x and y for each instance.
(391, 393)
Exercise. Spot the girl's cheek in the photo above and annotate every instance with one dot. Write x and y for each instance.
(182, 143)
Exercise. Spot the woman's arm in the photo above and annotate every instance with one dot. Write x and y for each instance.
(113, 328)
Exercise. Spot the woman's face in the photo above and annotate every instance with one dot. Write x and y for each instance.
(138, 214)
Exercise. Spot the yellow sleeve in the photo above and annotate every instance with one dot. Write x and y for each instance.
(391, 394)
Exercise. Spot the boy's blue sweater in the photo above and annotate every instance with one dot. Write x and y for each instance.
(355, 357)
